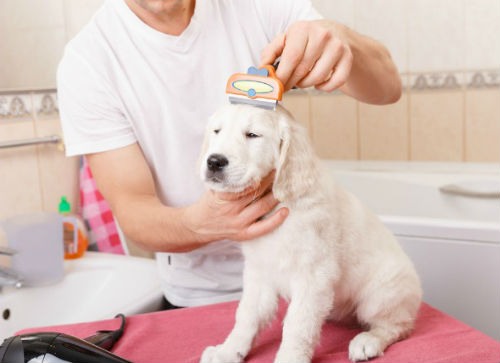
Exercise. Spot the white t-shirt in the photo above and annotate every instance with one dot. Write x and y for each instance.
(120, 82)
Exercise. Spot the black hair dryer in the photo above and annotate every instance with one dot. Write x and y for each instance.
(62, 348)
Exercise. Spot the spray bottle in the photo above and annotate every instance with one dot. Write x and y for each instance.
(75, 235)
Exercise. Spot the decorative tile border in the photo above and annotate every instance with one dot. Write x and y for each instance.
(483, 79)
(45, 103)
(435, 81)
(440, 81)
(480, 79)
(15, 105)
(22, 104)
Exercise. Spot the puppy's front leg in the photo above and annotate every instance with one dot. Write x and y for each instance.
(257, 306)
(306, 313)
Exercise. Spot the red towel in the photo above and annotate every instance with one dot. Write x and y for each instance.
(97, 214)
(180, 336)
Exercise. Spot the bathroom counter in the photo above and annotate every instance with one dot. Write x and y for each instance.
(179, 336)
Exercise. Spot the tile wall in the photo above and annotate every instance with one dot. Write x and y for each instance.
(448, 55)
(456, 122)
(33, 178)
(447, 51)
(32, 37)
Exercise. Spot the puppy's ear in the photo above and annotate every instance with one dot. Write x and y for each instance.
(297, 169)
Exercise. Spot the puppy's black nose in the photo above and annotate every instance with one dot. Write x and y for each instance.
(216, 162)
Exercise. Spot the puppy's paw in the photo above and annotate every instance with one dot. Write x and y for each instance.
(364, 346)
(220, 354)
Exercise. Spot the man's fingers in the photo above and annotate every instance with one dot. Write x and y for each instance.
(272, 51)
(266, 183)
(309, 58)
(250, 193)
(263, 226)
(290, 60)
(311, 54)
(241, 211)
(324, 66)
(319, 42)
(260, 207)
(340, 75)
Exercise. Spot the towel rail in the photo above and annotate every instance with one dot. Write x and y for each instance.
(453, 189)
(52, 139)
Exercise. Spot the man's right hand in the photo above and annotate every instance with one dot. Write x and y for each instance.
(235, 216)
(125, 180)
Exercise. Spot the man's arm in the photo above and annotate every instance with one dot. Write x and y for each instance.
(329, 55)
(125, 180)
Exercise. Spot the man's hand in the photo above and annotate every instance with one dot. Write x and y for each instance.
(328, 56)
(235, 216)
(313, 53)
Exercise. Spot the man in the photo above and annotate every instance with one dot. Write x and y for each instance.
(136, 87)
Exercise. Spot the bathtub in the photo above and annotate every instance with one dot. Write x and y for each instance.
(447, 218)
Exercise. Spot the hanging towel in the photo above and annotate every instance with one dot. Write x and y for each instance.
(97, 214)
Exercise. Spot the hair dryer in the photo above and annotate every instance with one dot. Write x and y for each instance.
(62, 348)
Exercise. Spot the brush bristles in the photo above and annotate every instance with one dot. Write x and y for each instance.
(258, 102)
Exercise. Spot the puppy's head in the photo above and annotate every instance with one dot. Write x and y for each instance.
(244, 143)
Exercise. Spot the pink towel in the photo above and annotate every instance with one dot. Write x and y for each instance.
(97, 214)
(179, 336)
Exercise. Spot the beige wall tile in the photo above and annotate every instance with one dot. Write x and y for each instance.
(19, 181)
(383, 131)
(297, 102)
(58, 173)
(78, 13)
(482, 24)
(482, 125)
(339, 10)
(29, 57)
(436, 35)
(22, 14)
(436, 125)
(370, 20)
(334, 126)
(33, 35)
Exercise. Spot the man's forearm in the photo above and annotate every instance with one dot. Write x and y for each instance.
(154, 226)
(215, 216)
(374, 78)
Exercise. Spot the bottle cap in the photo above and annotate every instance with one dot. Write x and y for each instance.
(64, 205)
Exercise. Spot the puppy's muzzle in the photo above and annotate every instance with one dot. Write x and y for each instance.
(215, 167)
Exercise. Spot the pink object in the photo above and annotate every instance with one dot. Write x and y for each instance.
(180, 336)
(97, 213)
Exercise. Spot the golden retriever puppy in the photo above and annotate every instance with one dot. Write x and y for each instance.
(331, 258)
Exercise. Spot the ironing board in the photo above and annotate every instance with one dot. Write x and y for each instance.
(179, 336)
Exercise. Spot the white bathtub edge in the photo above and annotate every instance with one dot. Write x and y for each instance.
(486, 232)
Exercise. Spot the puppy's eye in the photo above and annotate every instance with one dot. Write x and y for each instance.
(251, 135)
(216, 131)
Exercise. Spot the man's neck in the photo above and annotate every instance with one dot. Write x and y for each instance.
(167, 16)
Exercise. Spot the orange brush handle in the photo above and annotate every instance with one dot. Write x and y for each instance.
(257, 83)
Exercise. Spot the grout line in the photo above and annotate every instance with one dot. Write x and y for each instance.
(409, 120)
(38, 158)
(358, 131)
(464, 121)
(310, 121)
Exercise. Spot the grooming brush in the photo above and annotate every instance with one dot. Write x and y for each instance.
(258, 87)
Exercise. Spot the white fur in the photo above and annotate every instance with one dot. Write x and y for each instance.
(331, 258)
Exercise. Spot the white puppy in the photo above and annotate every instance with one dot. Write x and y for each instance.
(331, 258)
